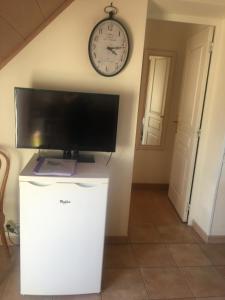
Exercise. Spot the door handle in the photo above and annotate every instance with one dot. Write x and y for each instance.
(39, 184)
(86, 185)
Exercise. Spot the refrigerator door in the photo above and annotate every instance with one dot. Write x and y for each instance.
(62, 237)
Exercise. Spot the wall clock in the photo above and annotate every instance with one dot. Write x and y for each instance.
(108, 46)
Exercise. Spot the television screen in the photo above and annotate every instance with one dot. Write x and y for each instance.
(63, 120)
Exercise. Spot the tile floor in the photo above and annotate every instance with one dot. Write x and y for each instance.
(163, 259)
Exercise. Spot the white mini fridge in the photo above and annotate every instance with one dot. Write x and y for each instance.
(62, 227)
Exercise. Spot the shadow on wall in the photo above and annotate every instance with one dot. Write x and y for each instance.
(154, 7)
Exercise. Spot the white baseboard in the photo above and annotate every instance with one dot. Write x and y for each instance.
(213, 239)
(199, 231)
(216, 239)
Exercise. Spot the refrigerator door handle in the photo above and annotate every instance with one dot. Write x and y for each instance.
(39, 184)
(86, 185)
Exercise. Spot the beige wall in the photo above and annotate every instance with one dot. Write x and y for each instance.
(153, 166)
(57, 59)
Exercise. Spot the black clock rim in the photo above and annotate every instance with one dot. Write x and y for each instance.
(89, 46)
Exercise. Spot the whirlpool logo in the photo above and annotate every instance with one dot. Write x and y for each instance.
(64, 201)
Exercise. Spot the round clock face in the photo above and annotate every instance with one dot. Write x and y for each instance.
(108, 47)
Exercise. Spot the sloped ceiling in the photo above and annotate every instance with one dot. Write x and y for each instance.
(22, 20)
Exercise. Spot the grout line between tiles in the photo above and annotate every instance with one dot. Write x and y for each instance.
(215, 269)
(182, 270)
(208, 256)
(145, 285)
(186, 281)
(171, 256)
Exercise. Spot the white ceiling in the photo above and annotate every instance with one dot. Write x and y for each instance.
(199, 8)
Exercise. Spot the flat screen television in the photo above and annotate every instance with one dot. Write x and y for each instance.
(63, 120)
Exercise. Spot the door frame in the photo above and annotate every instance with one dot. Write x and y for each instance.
(218, 25)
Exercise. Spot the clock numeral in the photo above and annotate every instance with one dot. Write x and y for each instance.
(94, 54)
(119, 33)
(93, 46)
(116, 66)
(96, 38)
(100, 30)
(106, 68)
(123, 56)
(110, 27)
(124, 42)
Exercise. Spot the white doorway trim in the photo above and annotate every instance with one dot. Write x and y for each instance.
(198, 184)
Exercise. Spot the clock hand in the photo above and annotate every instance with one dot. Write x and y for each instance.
(114, 52)
(111, 49)
(116, 47)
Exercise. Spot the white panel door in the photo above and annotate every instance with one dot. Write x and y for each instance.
(62, 237)
(196, 67)
(158, 76)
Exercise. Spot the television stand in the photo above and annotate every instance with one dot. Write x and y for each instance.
(67, 154)
(81, 158)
